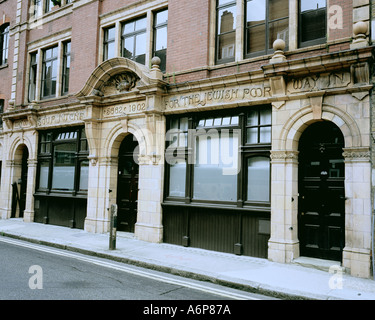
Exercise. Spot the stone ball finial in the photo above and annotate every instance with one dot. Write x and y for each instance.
(155, 62)
(359, 28)
(279, 45)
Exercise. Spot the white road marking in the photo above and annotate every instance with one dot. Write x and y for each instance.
(145, 274)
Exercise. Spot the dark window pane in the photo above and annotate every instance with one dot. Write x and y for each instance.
(278, 30)
(215, 171)
(43, 174)
(227, 46)
(227, 20)
(313, 25)
(256, 39)
(258, 179)
(278, 9)
(177, 179)
(84, 175)
(64, 166)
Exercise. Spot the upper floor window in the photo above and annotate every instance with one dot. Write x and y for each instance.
(4, 44)
(49, 73)
(109, 43)
(266, 21)
(134, 40)
(66, 68)
(49, 4)
(33, 76)
(38, 7)
(226, 31)
(313, 22)
(1, 112)
(160, 37)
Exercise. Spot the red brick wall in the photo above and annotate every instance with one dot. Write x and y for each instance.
(347, 19)
(84, 55)
(188, 41)
(7, 15)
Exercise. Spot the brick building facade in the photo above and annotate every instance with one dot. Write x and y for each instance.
(229, 125)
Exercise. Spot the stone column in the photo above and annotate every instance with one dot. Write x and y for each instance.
(101, 193)
(6, 189)
(357, 251)
(28, 214)
(149, 219)
(283, 245)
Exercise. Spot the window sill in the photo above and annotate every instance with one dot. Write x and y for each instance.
(55, 194)
(3, 66)
(233, 207)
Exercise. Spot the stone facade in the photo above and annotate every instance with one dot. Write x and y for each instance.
(117, 97)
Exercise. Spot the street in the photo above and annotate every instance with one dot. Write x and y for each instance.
(35, 272)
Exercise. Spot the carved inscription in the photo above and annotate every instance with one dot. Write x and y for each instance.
(136, 107)
(213, 97)
(319, 82)
(60, 118)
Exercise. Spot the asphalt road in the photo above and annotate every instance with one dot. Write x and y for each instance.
(36, 272)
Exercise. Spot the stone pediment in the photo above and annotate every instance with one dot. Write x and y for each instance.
(116, 76)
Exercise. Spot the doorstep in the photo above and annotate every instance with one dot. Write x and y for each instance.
(319, 264)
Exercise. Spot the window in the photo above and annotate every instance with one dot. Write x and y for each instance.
(66, 68)
(4, 44)
(48, 5)
(134, 40)
(221, 157)
(49, 73)
(109, 43)
(226, 31)
(33, 76)
(312, 24)
(160, 37)
(62, 161)
(259, 126)
(1, 112)
(36, 9)
(266, 21)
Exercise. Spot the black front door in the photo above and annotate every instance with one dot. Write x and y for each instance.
(23, 186)
(321, 217)
(127, 186)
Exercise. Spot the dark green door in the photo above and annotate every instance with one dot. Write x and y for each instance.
(321, 217)
(127, 186)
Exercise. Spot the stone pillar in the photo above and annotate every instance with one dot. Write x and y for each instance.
(357, 251)
(6, 189)
(283, 245)
(149, 219)
(101, 194)
(28, 214)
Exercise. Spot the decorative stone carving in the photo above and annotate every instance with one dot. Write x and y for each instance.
(357, 154)
(283, 156)
(359, 35)
(316, 102)
(123, 82)
(278, 56)
(360, 73)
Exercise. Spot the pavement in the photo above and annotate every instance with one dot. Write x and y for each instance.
(307, 279)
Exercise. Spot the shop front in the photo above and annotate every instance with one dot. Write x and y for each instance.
(272, 163)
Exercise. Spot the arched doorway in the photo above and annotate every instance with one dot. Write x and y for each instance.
(19, 185)
(321, 214)
(127, 185)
